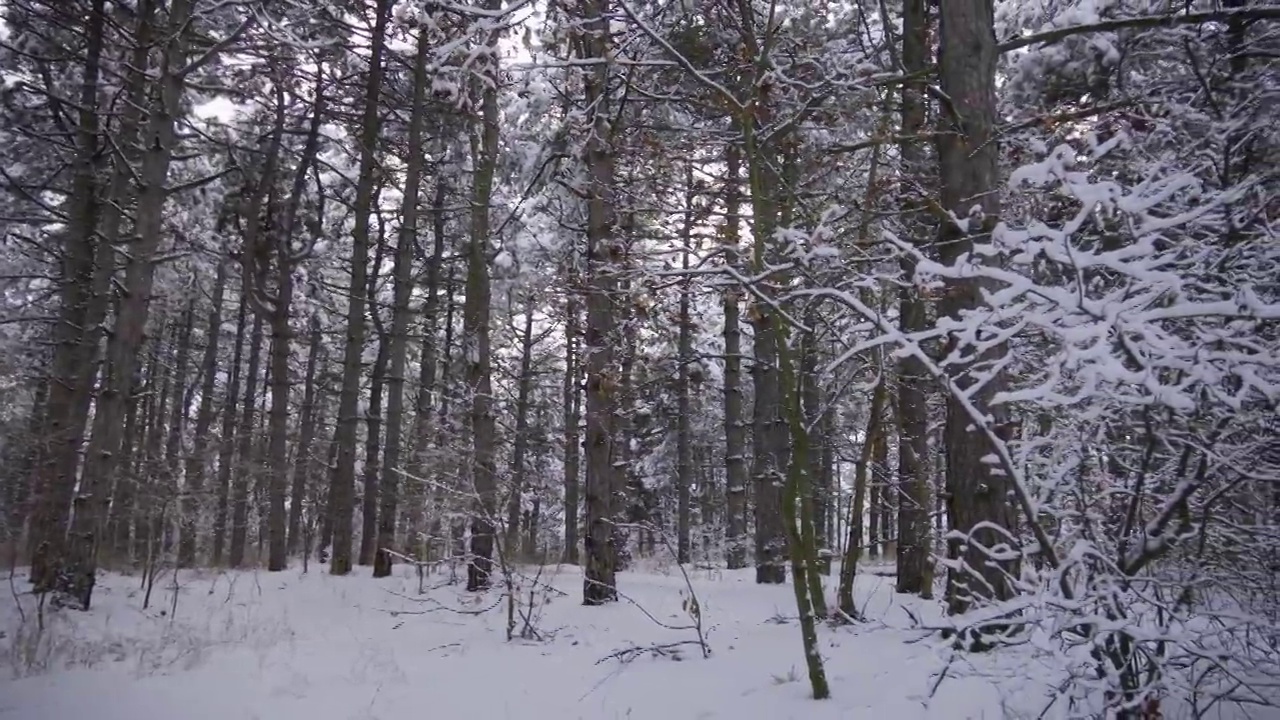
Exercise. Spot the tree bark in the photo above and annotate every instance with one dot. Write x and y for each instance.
(198, 460)
(572, 399)
(684, 356)
(416, 491)
(476, 321)
(735, 429)
(342, 489)
(968, 154)
(401, 313)
(72, 366)
(227, 442)
(303, 464)
(248, 467)
(373, 415)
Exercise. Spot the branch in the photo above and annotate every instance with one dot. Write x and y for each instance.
(1149, 21)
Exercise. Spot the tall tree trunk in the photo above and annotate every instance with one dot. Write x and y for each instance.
(227, 442)
(811, 399)
(603, 251)
(520, 449)
(977, 495)
(735, 428)
(269, 242)
(572, 399)
(74, 347)
(401, 313)
(146, 508)
(684, 356)
(475, 322)
(915, 564)
(248, 458)
(373, 415)
(198, 460)
(424, 412)
(177, 417)
(342, 489)
(303, 465)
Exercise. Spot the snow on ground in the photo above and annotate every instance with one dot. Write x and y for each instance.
(292, 646)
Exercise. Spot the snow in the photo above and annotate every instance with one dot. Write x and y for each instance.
(284, 646)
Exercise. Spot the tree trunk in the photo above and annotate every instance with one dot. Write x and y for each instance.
(373, 415)
(342, 489)
(177, 416)
(402, 276)
(475, 323)
(915, 563)
(416, 491)
(735, 429)
(198, 460)
(603, 251)
(520, 450)
(572, 395)
(968, 154)
(227, 443)
(684, 356)
(248, 458)
(302, 462)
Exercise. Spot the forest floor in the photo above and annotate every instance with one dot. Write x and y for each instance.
(291, 646)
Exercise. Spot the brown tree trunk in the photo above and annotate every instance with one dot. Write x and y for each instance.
(416, 491)
(572, 399)
(248, 459)
(342, 489)
(684, 356)
(520, 449)
(72, 366)
(373, 415)
(181, 408)
(603, 251)
(227, 442)
(968, 154)
(303, 465)
(735, 428)
(475, 323)
(302, 461)
(198, 460)
(401, 312)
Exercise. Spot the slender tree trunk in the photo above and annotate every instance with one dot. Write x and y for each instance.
(74, 346)
(248, 459)
(302, 462)
(476, 320)
(198, 460)
(373, 416)
(684, 356)
(342, 490)
(520, 449)
(572, 395)
(401, 312)
(735, 429)
(170, 491)
(227, 442)
(424, 417)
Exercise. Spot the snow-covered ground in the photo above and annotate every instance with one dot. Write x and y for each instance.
(292, 646)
